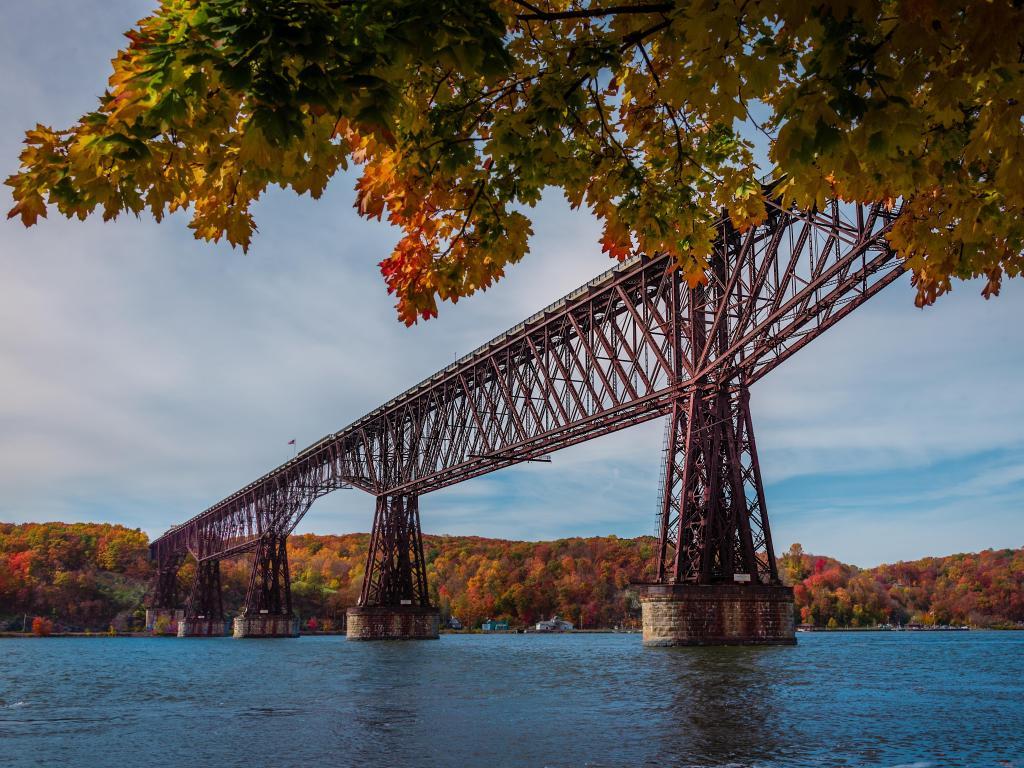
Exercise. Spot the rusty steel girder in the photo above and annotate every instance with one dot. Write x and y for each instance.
(269, 584)
(396, 571)
(270, 589)
(165, 586)
(714, 520)
(631, 345)
(205, 601)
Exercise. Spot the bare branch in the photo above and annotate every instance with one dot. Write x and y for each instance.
(591, 13)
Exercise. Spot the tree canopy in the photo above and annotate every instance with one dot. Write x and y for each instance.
(86, 574)
(461, 112)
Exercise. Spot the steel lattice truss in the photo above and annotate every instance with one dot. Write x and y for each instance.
(714, 520)
(629, 346)
(396, 571)
(269, 582)
(205, 601)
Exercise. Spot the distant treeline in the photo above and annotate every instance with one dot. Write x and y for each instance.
(89, 576)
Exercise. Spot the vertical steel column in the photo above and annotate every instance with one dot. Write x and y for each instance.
(714, 525)
(396, 572)
(270, 590)
(759, 508)
(206, 601)
(165, 586)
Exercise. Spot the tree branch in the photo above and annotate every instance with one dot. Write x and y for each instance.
(590, 13)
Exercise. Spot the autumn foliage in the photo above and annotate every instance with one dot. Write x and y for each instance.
(475, 578)
(84, 575)
(461, 113)
(41, 627)
(983, 589)
(81, 574)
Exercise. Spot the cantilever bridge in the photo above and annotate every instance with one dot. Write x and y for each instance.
(634, 344)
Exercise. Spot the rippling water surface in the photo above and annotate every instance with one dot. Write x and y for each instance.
(844, 699)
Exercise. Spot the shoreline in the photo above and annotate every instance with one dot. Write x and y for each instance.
(821, 630)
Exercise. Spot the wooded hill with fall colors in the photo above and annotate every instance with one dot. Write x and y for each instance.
(88, 575)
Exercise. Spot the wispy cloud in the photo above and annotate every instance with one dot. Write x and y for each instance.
(143, 375)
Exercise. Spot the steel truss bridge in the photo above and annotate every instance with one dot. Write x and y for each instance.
(634, 344)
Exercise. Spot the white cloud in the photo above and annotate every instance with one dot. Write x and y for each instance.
(894, 385)
(144, 375)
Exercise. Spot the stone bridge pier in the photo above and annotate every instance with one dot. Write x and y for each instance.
(204, 611)
(268, 600)
(718, 582)
(394, 603)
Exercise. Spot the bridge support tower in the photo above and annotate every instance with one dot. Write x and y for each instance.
(204, 611)
(718, 581)
(268, 601)
(165, 613)
(394, 603)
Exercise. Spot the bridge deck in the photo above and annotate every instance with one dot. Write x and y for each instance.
(614, 352)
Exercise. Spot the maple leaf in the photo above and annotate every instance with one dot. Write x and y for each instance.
(461, 113)
(29, 208)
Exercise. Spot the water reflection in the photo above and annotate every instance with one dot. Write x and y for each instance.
(722, 706)
(855, 699)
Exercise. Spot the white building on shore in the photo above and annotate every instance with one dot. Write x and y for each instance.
(554, 624)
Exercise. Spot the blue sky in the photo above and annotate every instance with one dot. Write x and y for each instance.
(144, 375)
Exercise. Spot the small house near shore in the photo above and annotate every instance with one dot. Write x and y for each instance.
(493, 625)
(554, 624)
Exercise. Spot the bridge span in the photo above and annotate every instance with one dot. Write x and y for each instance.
(633, 344)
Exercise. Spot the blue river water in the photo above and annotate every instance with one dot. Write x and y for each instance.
(839, 699)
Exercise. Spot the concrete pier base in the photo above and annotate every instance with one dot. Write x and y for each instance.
(203, 628)
(164, 621)
(392, 622)
(717, 614)
(266, 625)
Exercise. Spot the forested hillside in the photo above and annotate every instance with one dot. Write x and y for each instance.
(92, 575)
(81, 574)
(983, 589)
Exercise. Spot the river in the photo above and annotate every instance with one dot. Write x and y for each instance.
(836, 699)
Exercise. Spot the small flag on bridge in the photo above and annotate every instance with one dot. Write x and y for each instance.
(291, 442)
